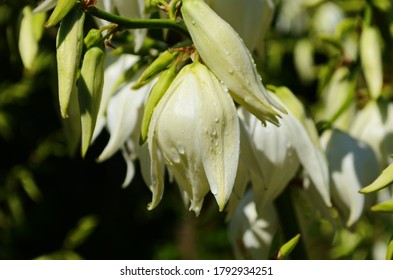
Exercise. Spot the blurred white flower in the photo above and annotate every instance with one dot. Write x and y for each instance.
(195, 127)
(44, 6)
(251, 231)
(292, 17)
(115, 66)
(326, 18)
(352, 165)
(280, 151)
(120, 112)
(374, 125)
(251, 19)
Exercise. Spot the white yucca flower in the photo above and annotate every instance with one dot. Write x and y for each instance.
(352, 165)
(120, 112)
(374, 125)
(196, 129)
(251, 231)
(226, 55)
(276, 153)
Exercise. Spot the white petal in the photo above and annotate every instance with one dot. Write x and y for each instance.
(352, 166)
(44, 6)
(251, 232)
(115, 67)
(274, 151)
(304, 137)
(123, 117)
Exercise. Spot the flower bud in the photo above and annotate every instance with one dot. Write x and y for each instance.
(90, 85)
(370, 54)
(196, 129)
(226, 55)
(157, 92)
(61, 10)
(159, 64)
(69, 44)
(30, 32)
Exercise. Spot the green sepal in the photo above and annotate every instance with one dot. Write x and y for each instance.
(61, 10)
(90, 86)
(383, 180)
(386, 206)
(286, 249)
(93, 38)
(159, 64)
(156, 93)
(389, 252)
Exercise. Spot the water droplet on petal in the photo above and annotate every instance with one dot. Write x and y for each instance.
(181, 149)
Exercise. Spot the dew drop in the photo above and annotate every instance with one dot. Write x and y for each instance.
(181, 149)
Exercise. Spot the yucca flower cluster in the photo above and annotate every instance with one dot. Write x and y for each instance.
(200, 114)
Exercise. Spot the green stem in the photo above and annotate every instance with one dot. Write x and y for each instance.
(135, 23)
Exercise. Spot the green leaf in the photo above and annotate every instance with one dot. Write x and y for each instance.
(287, 248)
(78, 235)
(389, 252)
(386, 206)
(61, 10)
(381, 182)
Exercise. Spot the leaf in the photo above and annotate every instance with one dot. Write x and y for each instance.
(389, 252)
(381, 182)
(287, 248)
(83, 230)
(386, 206)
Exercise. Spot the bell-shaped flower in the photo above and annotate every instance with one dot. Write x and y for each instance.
(115, 67)
(196, 130)
(251, 231)
(326, 18)
(255, 15)
(374, 125)
(123, 121)
(279, 152)
(120, 112)
(293, 17)
(226, 55)
(352, 165)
